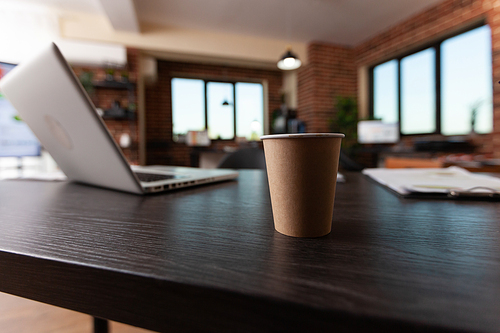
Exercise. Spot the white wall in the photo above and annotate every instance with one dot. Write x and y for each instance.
(290, 88)
(363, 93)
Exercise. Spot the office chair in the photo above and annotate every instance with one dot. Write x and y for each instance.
(247, 158)
(253, 158)
(347, 163)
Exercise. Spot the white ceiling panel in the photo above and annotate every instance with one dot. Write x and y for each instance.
(121, 14)
(346, 22)
(338, 21)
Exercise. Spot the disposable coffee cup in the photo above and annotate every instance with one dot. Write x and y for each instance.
(302, 174)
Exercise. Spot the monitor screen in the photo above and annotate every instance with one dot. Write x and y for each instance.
(16, 138)
(374, 131)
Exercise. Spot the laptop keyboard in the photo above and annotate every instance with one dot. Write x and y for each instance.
(152, 177)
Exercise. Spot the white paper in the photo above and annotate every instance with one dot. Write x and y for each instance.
(426, 180)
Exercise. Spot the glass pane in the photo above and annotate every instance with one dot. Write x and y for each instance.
(418, 93)
(466, 83)
(249, 110)
(188, 106)
(385, 92)
(220, 106)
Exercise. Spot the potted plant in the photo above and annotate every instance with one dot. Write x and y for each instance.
(110, 74)
(124, 76)
(345, 121)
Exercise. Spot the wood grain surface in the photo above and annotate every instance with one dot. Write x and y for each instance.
(207, 259)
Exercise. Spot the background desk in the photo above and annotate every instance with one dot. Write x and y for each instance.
(208, 259)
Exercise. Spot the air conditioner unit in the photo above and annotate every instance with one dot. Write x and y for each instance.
(93, 54)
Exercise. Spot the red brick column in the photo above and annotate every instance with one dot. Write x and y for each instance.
(330, 72)
(493, 19)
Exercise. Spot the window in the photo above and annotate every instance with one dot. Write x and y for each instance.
(418, 93)
(223, 108)
(466, 77)
(188, 96)
(220, 111)
(385, 90)
(250, 112)
(444, 89)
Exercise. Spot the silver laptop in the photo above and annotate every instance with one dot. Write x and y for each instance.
(51, 100)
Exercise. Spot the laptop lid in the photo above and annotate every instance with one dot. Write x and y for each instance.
(50, 99)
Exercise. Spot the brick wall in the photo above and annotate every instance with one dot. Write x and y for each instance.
(330, 72)
(104, 97)
(434, 23)
(160, 149)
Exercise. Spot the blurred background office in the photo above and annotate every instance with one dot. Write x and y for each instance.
(189, 82)
(412, 83)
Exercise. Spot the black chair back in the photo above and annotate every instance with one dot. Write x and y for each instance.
(247, 158)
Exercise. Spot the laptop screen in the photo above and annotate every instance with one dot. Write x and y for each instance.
(16, 138)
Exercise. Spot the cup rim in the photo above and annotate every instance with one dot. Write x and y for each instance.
(302, 135)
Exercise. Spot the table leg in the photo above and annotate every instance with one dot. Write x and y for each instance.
(100, 325)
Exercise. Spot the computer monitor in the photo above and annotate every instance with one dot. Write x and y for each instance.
(16, 138)
(374, 131)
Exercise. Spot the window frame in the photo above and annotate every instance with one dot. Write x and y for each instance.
(436, 45)
(231, 81)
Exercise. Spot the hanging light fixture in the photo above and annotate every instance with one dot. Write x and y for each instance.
(289, 60)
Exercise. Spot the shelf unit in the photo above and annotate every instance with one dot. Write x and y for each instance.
(114, 85)
(117, 85)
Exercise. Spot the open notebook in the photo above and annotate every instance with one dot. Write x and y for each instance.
(452, 182)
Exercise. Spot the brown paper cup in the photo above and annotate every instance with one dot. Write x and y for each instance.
(302, 173)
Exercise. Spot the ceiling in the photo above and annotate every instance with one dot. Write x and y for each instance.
(347, 22)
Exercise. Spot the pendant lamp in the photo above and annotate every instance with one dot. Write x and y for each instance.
(289, 60)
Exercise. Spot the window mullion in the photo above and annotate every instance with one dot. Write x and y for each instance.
(234, 110)
(371, 87)
(206, 106)
(399, 94)
(438, 87)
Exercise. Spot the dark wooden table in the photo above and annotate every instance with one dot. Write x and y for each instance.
(208, 259)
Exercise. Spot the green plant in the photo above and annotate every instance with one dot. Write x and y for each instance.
(474, 111)
(86, 81)
(124, 75)
(345, 121)
(110, 74)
